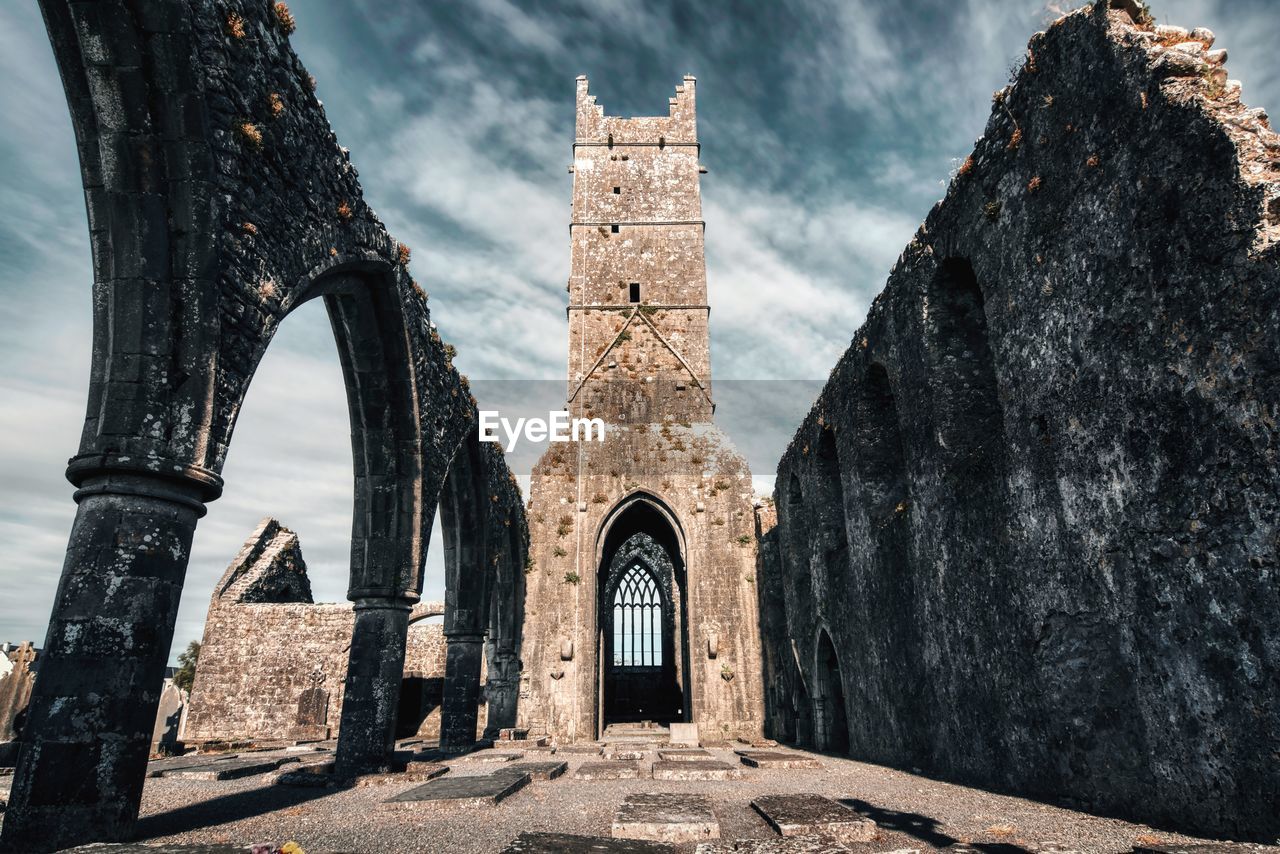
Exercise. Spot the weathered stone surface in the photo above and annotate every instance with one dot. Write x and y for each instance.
(696, 769)
(160, 766)
(230, 769)
(584, 749)
(563, 843)
(481, 790)
(804, 815)
(1026, 535)
(542, 770)
(418, 772)
(684, 734)
(493, 756)
(194, 144)
(773, 759)
(611, 771)
(683, 755)
(666, 491)
(166, 736)
(793, 845)
(273, 663)
(156, 848)
(626, 751)
(666, 817)
(15, 686)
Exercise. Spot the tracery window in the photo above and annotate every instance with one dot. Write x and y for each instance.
(637, 620)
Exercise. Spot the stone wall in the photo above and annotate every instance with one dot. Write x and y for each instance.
(273, 664)
(1033, 512)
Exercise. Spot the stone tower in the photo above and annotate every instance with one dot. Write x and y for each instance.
(641, 602)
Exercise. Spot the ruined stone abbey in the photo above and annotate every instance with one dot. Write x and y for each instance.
(1025, 539)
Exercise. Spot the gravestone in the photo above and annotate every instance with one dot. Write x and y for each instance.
(684, 735)
(563, 843)
(801, 815)
(167, 735)
(777, 759)
(666, 817)
(478, 791)
(696, 769)
(611, 770)
(15, 690)
(312, 721)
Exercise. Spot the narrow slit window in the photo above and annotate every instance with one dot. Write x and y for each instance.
(635, 292)
(617, 191)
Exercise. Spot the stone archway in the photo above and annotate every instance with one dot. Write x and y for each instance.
(642, 615)
(641, 635)
(199, 253)
(830, 719)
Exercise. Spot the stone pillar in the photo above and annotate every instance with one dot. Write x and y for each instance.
(83, 752)
(366, 734)
(459, 710)
(502, 689)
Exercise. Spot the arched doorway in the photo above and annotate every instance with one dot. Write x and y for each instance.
(830, 722)
(642, 620)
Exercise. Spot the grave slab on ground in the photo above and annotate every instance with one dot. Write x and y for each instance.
(169, 848)
(586, 749)
(228, 769)
(157, 767)
(683, 754)
(563, 843)
(789, 845)
(626, 751)
(417, 772)
(777, 759)
(494, 756)
(696, 769)
(478, 791)
(666, 817)
(611, 770)
(808, 814)
(541, 770)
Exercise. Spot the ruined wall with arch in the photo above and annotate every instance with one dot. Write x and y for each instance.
(1055, 456)
(218, 201)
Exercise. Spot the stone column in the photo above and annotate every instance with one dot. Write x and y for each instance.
(366, 734)
(502, 690)
(83, 751)
(459, 710)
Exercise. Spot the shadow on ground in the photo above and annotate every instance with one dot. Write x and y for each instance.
(924, 828)
(226, 808)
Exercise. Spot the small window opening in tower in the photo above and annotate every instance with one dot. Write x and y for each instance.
(662, 142)
(613, 229)
(635, 292)
(611, 140)
(617, 191)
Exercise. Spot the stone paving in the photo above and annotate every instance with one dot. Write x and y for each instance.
(549, 805)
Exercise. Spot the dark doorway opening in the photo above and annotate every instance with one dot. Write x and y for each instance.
(830, 718)
(643, 644)
(419, 697)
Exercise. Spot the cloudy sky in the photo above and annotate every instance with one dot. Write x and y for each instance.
(829, 128)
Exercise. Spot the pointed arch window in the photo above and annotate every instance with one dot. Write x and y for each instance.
(637, 620)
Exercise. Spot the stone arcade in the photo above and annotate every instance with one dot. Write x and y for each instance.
(198, 130)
